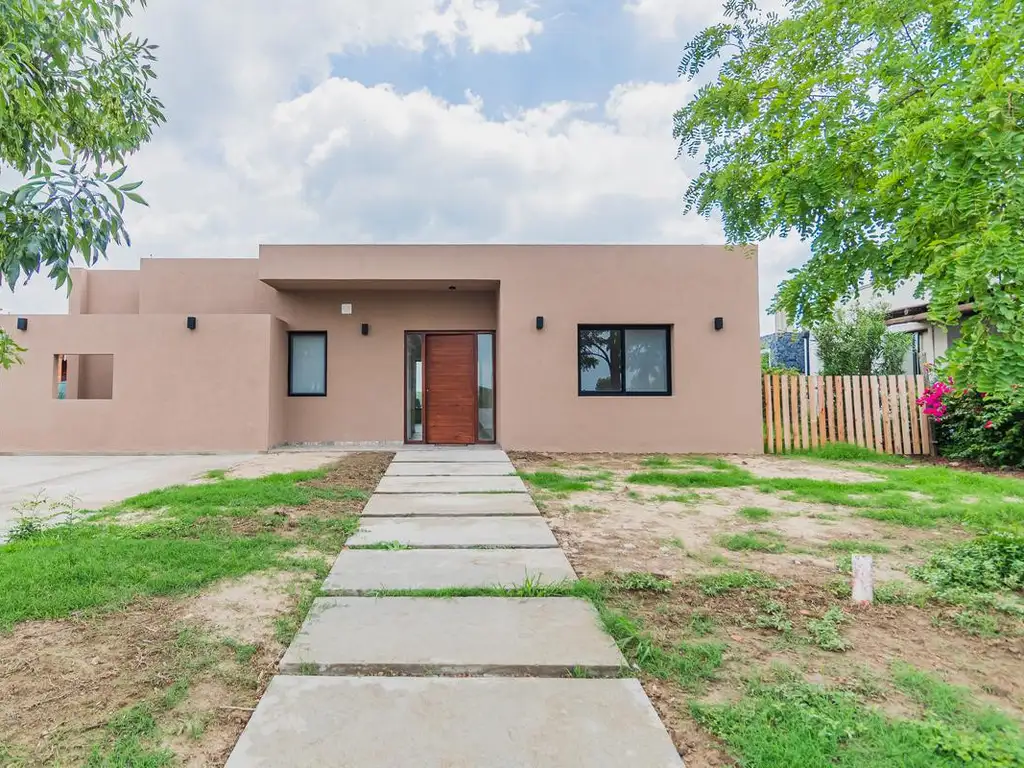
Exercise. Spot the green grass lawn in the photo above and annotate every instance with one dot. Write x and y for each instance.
(198, 534)
(559, 482)
(786, 721)
(915, 496)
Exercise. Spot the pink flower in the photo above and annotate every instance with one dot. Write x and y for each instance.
(989, 425)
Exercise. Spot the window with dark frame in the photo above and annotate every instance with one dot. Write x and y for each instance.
(624, 360)
(307, 364)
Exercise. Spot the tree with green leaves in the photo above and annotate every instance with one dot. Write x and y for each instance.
(75, 100)
(890, 135)
(854, 341)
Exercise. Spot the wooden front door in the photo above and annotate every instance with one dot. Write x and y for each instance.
(450, 383)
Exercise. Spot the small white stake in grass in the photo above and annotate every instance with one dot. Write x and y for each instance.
(863, 579)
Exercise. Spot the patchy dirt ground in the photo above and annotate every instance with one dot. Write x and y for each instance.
(200, 663)
(282, 462)
(618, 526)
(682, 534)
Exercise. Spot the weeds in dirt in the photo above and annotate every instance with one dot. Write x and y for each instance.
(701, 624)
(899, 593)
(752, 542)
(243, 651)
(40, 513)
(659, 460)
(687, 664)
(583, 588)
(391, 546)
(720, 583)
(557, 482)
(642, 582)
(773, 616)
(786, 721)
(131, 742)
(857, 547)
(825, 633)
(718, 478)
(678, 498)
(850, 452)
(754, 513)
(976, 623)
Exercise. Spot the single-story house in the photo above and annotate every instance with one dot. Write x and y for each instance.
(562, 348)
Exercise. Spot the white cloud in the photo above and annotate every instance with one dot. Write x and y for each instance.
(264, 146)
(668, 19)
(682, 19)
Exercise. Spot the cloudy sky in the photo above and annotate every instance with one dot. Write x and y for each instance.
(414, 121)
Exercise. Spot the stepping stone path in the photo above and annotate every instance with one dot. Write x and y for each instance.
(440, 682)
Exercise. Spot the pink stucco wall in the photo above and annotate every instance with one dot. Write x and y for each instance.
(173, 390)
(226, 383)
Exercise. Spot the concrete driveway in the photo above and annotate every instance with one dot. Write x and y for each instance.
(96, 480)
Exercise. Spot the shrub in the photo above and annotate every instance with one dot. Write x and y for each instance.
(987, 428)
(988, 563)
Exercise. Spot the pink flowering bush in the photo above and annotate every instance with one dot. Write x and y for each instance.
(983, 427)
(933, 399)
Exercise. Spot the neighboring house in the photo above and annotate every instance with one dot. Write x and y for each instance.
(905, 314)
(576, 348)
(787, 348)
(909, 314)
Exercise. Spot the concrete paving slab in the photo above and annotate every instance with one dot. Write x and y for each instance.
(338, 722)
(495, 484)
(429, 453)
(448, 468)
(358, 571)
(537, 636)
(448, 504)
(455, 532)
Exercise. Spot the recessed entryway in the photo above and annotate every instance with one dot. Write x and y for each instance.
(449, 387)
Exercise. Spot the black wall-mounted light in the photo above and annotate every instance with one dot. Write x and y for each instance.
(22, 324)
(540, 322)
(190, 323)
(365, 329)
(719, 323)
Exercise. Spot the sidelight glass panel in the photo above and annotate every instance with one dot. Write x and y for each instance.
(414, 387)
(307, 363)
(647, 360)
(485, 386)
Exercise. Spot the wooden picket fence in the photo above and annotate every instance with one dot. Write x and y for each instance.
(878, 412)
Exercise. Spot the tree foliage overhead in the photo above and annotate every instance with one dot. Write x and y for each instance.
(887, 133)
(854, 341)
(75, 99)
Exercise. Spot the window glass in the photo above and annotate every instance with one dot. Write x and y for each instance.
(485, 386)
(414, 387)
(600, 360)
(646, 360)
(307, 357)
(624, 360)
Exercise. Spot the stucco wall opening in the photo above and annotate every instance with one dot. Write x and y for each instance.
(83, 377)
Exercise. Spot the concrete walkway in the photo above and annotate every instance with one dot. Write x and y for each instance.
(385, 682)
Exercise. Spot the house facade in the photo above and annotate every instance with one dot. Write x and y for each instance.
(559, 348)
